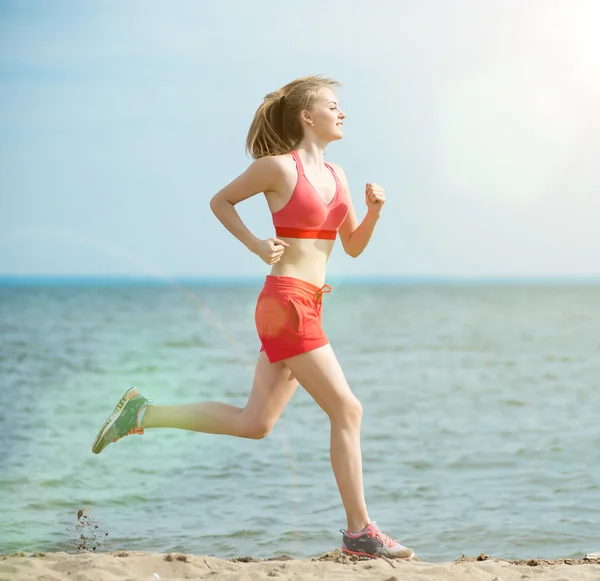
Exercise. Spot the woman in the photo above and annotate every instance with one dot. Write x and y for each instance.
(311, 204)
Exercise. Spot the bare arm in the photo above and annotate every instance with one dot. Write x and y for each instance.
(262, 175)
(360, 237)
(354, 236)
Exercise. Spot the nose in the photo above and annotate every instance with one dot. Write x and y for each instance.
(342, 115)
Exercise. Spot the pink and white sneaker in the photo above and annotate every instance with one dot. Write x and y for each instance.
(371, 542)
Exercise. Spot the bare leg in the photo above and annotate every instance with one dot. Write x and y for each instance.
(319, 372)
(273, 387)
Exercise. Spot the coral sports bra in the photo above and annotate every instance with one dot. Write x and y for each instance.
(306, 215)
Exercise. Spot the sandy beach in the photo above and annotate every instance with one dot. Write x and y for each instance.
(138, 566)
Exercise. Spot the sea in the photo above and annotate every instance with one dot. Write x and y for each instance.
(481, 427)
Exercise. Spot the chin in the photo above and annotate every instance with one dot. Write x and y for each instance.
(337, 135)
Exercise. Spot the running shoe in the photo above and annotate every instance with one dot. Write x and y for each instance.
(123, 421)
(372, 543)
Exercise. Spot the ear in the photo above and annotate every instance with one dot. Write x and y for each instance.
(305, 116)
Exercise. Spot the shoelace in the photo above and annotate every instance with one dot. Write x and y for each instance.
(134, 430)
(377, 532)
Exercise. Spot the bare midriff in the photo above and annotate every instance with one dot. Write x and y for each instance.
(305, 259)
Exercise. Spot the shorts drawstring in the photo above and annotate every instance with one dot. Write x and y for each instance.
(319, 294)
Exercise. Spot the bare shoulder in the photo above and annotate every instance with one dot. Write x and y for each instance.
(270, 164)
(282, 169)
(262, 175)
(268, 172)
(339, 171)
(277, 166)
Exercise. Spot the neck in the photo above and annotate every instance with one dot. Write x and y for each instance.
(312, 154)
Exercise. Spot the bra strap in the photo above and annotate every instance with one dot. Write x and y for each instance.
(299, 166)
(338, 183)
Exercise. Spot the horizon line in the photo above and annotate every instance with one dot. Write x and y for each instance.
(33, 280)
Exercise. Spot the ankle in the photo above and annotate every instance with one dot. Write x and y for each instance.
(141, 416)
(357, 525)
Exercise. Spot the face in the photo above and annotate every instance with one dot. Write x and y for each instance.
(326, 117)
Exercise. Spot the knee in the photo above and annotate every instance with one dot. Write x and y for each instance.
(349, 412)
(257, 431)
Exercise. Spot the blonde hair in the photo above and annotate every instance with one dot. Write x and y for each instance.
(276, 127)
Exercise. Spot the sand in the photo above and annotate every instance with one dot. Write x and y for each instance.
(138, 566)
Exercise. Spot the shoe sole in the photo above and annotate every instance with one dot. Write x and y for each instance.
(130, 393)
(359, 554)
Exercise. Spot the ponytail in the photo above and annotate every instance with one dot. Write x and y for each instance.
(276, 128)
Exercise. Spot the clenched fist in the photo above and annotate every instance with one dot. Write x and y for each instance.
(271, 250)
(374, 197)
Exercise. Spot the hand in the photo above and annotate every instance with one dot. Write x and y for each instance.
(374, 197)
(271, 250)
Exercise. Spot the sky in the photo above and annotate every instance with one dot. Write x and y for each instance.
(120, 120)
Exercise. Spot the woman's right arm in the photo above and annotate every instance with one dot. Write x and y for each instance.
(262, 175)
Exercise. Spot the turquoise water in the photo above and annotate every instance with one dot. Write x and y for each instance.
(480, 433)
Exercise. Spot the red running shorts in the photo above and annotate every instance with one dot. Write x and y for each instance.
(288, 317)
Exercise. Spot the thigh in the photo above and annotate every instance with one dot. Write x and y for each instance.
(321, 375)
(272, 389)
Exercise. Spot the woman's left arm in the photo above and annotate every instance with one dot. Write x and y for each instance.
(355, 236)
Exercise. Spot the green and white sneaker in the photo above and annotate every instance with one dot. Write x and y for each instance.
(124, 420)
